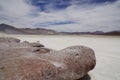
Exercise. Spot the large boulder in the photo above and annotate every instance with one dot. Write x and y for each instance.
(73, 62)
(25, 62)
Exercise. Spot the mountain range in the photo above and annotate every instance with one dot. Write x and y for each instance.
(4, 28)
(8, 29)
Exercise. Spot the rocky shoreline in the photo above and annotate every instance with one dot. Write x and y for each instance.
(33, 61)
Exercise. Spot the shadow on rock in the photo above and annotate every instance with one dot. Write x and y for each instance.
(86, 77)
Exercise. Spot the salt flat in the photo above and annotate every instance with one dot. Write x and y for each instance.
(107, 50)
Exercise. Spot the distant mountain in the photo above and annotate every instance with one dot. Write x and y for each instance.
(78, 33)
(38, 31)
(4, 28)
(112, 33)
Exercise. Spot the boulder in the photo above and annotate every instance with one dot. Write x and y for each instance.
(25, 62)
(73, 62)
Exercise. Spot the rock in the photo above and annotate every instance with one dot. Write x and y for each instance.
(14, 45)
(28, 69)
(25, 42)
(73, 62)
(36, 45)
(25, 62)
(44, 50)
(5, 39)
(86, 77)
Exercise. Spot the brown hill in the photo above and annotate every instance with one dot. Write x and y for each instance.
(4, 28)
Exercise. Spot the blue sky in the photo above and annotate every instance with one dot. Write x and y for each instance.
(62, 15)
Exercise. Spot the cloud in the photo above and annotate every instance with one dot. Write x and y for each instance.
(14, 8)
(85, 17)
(103, 17)
(54, 23)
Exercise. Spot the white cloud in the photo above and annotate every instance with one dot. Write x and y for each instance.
(15, 12)
(14, 7)
(87, 17)
(104, 17)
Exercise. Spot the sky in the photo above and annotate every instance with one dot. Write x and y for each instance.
(62, 15)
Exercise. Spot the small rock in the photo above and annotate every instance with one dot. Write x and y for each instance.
(44, 50)
(25, 42)
(36, 45)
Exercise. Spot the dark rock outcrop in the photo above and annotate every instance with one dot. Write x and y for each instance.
(21, 61)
